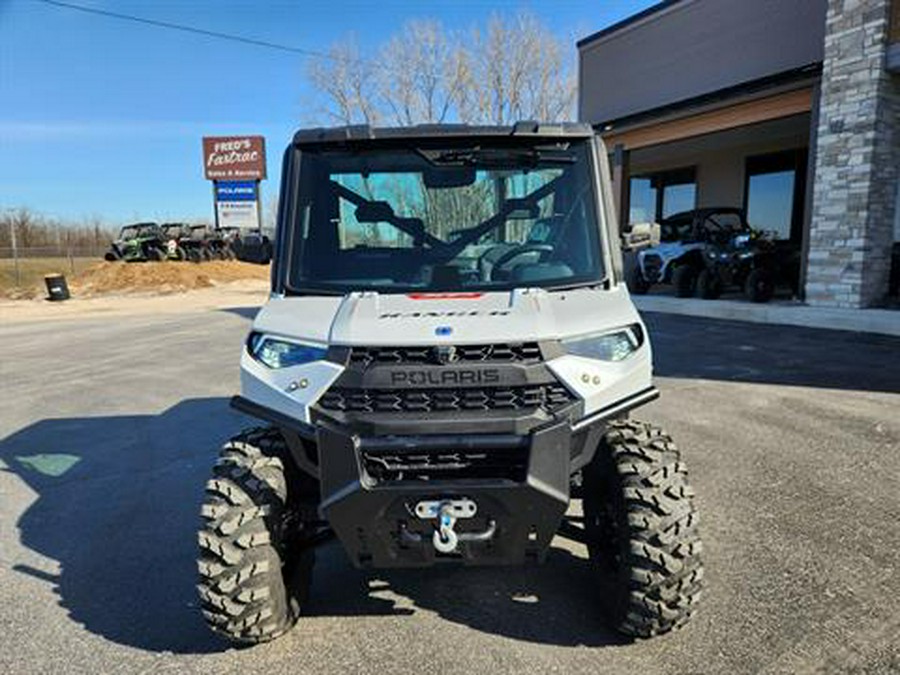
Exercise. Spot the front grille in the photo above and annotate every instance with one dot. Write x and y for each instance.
(549, 397)
(447, 464)
(652, 266)
(526, 352)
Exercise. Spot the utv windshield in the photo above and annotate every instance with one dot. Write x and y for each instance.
(486, 217)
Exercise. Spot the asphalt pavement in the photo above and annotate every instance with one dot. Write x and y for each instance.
(108, 427)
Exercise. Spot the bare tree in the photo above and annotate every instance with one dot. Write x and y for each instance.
(348, 83)
(513, 69)
(36, 231)
(519, 71)
(423, 72)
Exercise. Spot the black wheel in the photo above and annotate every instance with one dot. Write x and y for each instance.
(759, 285)
(641, 525)
(194, 255)
(709, 286)
(206, 254)
(156, 254)
(180, 254)
(258, 515)
(638, 284)
(684, 279)
(112, 256)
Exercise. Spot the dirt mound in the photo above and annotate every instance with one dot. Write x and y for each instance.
(161, 278)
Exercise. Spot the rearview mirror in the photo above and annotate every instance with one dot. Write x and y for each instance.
(642, 235)
(436, 178)
(521, 209)
(374, 212)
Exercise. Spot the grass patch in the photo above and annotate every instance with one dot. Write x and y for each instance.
(32, 271)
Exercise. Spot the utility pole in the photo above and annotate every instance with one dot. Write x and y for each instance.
(15, 248)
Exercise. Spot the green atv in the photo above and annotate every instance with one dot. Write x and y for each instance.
(138, 243)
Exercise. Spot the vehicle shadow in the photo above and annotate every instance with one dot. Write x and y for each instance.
(117, 507)
(716, 349)
(248, 313)
(560, 602)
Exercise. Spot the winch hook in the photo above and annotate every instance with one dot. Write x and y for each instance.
(445, 538)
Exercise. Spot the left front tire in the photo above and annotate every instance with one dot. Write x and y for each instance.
(641, 525)
(255, 572)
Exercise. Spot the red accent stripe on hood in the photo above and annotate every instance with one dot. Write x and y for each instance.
(444, 296)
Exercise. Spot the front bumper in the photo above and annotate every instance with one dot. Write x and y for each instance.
(375, 518)
(371, 484)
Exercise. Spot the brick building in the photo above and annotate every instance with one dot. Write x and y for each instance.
(787, 108)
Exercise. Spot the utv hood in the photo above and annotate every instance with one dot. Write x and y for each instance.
(374, 319)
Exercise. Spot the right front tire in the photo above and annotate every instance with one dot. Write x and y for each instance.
(255, 571)
(641, 526)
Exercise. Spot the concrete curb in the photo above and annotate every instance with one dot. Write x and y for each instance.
(880, 321)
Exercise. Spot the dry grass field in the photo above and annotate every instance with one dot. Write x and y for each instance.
(32, 271)
(89, 277)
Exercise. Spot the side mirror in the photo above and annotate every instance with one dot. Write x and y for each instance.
(642, 235)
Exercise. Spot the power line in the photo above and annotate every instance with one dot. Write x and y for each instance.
(308, 53)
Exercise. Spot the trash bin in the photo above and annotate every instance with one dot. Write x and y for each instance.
(57, 288)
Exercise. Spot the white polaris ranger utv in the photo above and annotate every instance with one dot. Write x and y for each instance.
(448, 353)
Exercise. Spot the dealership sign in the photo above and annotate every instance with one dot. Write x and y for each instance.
(237, 204)
(235, 165)
(234, 157)
(236, 191)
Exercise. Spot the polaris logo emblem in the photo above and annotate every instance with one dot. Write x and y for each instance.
(445, 377)
(444, 354)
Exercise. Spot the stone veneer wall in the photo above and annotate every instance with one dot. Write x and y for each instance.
(857, 160)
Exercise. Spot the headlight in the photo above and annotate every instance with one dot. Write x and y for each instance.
(613, 346)
(276, 353)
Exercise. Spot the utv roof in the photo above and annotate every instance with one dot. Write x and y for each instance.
(364, 132)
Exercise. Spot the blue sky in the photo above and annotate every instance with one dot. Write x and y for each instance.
(101, 117)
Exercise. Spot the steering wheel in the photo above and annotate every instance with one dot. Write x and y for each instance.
(516, 252)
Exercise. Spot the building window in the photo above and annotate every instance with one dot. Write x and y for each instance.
(653, 197)
(774, 193)
(642, 202)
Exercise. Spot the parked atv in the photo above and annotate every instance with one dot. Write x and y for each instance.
(751, 261)
(197, 244)
(426, 409)
(252, 246)
(219, 244)
(707, 250)
(138, 243)
(678, 259)
(176, 235)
